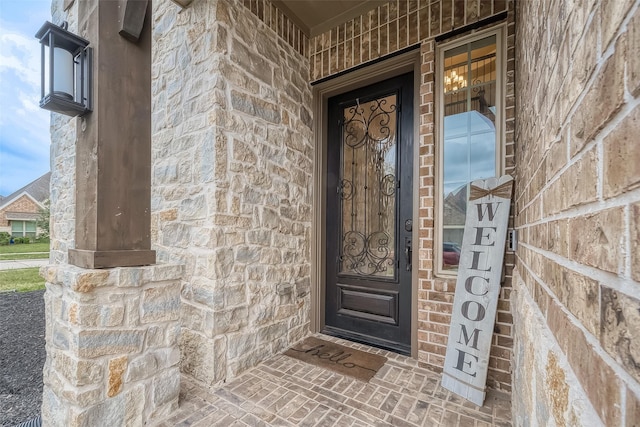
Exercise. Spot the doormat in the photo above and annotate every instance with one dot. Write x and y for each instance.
(348, 361)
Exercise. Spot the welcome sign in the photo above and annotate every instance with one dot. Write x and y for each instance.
(477, 288)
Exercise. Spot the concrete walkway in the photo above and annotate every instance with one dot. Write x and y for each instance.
(287, 392)
(23, 263)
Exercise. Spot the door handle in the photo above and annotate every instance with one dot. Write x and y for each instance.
(407, 252)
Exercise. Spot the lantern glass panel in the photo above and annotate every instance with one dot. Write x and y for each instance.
(62, 74)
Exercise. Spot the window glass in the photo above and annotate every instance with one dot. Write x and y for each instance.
(469, 135)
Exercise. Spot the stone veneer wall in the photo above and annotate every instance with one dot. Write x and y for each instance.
(387, 29)
(231, 182)
(112, 345)
(577, 277)
(63, 165)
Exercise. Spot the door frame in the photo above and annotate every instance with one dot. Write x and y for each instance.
(388, 68)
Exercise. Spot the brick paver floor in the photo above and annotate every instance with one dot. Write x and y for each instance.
(287, 392)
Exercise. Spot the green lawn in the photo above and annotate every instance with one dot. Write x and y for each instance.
(22, 280)
(24, 247)
(24, 251)
(37, 255)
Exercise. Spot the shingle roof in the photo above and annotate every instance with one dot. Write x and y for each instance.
(38, 189)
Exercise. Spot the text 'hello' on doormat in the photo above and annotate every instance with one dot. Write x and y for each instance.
(348, 361)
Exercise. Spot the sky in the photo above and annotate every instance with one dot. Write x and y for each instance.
(24, 126)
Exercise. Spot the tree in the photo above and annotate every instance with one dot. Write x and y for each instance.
(44, 219)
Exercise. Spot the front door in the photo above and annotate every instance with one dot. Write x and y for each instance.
(369, 214)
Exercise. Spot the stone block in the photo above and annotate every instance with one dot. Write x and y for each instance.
(166, 387)
(167, 357)
(96, 343)
(230, 320)
(83, 396)
(61, 337)
(93, 315)
(248, 255)
(129, 277)
(132, 311)
(111, 412)
(270, 256)
(622, 156)
(619, 328)
(177, 235)
(83, 281)
(240, 343)
(77, 372)
(224, 261)
(160, 304)
(255, 107)
(243, 152)
(117, 368)
(135, 399)
(303, 287)
(141, 367)
(202, 357)
(597, 239)
(54, 411)
(235, 295)
(193, 208)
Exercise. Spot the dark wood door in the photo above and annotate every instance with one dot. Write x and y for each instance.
(369, 214)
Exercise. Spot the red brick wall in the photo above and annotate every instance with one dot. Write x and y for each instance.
(22, 204)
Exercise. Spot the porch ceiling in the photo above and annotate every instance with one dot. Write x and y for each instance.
(317, 16)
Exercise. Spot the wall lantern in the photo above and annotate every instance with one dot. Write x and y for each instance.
(65, 72)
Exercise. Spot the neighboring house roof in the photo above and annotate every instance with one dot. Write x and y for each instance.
(21, 216)
(37, 190)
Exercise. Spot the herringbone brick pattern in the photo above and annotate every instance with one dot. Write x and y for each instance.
(287, 392)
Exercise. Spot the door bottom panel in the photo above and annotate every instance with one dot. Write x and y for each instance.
(366, 304)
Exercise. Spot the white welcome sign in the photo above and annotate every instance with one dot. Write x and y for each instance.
(477, 288)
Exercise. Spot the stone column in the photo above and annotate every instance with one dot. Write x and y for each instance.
(112, 323)
(112, 345)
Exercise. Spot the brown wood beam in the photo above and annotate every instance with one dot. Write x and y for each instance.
(113, 150)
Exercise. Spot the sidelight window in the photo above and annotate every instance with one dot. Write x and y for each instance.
(470, 117)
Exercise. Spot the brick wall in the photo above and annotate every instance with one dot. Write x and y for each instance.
(22, 204)
(577, 277)
(392, 27)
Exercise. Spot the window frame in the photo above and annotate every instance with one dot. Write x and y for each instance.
(24, 230)
(499, 31)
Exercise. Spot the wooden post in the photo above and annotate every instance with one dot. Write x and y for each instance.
(113, 150)
(477, 288)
